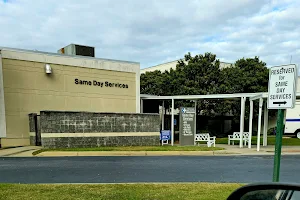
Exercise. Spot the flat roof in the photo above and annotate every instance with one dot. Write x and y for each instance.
(71, 60)
(63, 55)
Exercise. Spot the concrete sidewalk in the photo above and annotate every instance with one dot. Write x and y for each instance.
(269, 150)
(19, 151)
(229, 151)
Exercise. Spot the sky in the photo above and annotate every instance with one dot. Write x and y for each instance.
(156, 31)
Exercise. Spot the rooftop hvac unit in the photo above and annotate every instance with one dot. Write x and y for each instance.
(75, 49)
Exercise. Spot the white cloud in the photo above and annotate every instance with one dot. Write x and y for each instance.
(153, 31)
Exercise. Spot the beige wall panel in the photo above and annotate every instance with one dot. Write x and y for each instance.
(52, 82)
(97, 104)
(17, 79)
(77, 104)
(12, 102)
(113, 74)
(131, 105)
(49, 102)
(17, 62)
(97, 72)
(30, 68)
(13, 113)
(28, 89)
(6, 142)
(28, 102)
(15, 127)
(112, 105)
(20, 90)
(24, 123)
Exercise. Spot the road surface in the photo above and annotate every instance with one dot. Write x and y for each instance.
(243, 169)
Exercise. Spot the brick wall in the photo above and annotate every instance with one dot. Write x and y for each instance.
(87, 129)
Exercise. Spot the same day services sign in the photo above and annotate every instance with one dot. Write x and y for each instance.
(282, 87)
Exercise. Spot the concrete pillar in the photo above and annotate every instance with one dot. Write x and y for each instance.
(172, 123)
(265, 134)
(250, 124)
(261, 101)
(243, 99)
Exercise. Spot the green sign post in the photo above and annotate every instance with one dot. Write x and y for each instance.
(281, 96)
(277, 156)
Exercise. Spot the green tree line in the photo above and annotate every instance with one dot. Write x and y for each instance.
(201, 75)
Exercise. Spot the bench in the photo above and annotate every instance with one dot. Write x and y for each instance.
(205, 137)
(236, 137)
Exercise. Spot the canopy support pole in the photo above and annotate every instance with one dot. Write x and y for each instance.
(172, 123)
(265, 134)
(261, 101)
(243, 99)
(163, 116)
(250, 124)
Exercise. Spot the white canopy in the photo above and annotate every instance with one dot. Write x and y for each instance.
(243, 96)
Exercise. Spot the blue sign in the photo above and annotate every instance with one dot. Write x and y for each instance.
(165, 135)
(183, 110)
(175, 122)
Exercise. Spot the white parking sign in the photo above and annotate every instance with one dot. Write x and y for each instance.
(282, 87)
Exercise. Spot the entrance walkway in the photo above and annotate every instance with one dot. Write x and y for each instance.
(18, 151)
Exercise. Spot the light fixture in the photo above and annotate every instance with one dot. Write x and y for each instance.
(48, 69)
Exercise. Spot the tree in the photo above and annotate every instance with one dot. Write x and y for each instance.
(201, 75)
(152, 83)
(248, 75)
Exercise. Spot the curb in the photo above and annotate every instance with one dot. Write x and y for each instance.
(124, 153)
(152, 153)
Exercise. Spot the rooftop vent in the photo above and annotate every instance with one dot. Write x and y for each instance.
(75, 49)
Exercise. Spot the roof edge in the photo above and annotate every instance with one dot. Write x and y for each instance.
(77, 61)
(63, 55)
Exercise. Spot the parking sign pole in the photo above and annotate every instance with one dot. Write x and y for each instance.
(277, 156)
(281, 95)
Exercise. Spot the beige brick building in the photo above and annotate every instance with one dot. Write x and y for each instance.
(76, 83)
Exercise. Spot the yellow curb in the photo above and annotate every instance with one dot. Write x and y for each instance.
(110, 153)
(125, 153)
(57, 153)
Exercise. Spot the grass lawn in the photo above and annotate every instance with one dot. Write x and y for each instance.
(271, 141)
(137, 148)
(202, 191)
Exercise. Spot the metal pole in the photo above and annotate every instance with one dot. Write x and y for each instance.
(261, 101)
(142, 106)
(195, 125)
(243, 99)
(265, 135)
(250, 124)
(277, 156)
(163, 116)
(172, 123)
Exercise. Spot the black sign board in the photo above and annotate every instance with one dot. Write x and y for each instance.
(187, 126)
